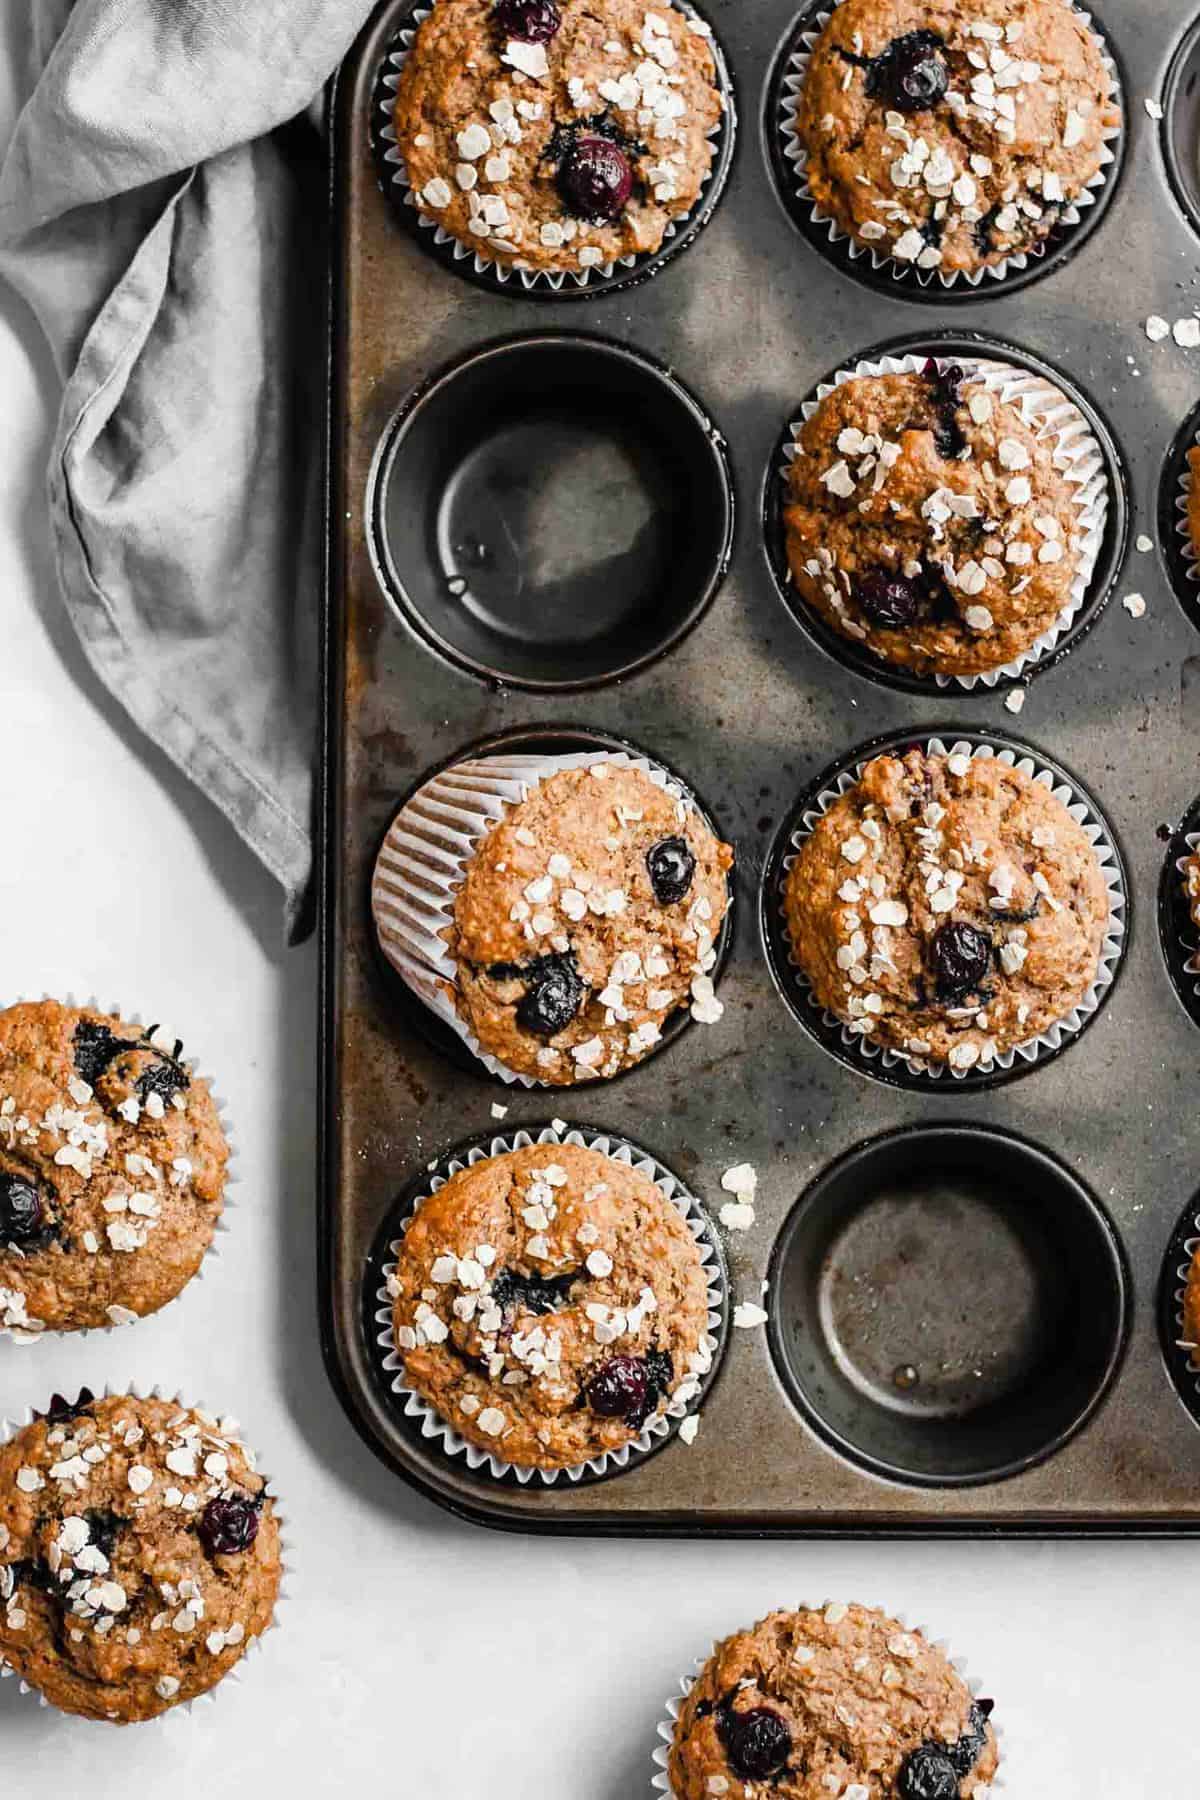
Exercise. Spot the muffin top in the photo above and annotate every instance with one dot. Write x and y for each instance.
(1193, 500)
(948, 907)
(952, 134)
(1191, 1307)
(112, 1169)
(831, 1703)
(548, 1302)
(550, 134)
(139, 1555)
(926, 521)
(586, 917)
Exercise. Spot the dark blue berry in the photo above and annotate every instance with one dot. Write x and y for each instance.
(946, 385)
(928, 1774)
(960, 956)
(671, 867)
(910, 73)
(757, 1741)
(595, 179)
(93, 1048)
(227, 1527)
(60, 1411)
(553, 996)
(971, 1745)
(22, 1215)
(533, 21)
(529, 1293)
(618, 1388)
(891, 601)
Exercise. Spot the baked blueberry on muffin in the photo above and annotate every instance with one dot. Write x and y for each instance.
(926, 521)
(831, 1703)
(548, 1302)
(139, 1555)
(112, 1169)
(555, 135)
(947, 907)
(585, 918)
(953, 134)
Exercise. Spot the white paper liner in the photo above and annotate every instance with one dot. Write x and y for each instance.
(231, 1179)
(1111, 950)
(434, 1427)
(397, 183)
(1190, 945)
(796, 155)
(1187, 550)
(660, 1782)
(138, 1391)
(1182, 1271)
(424, 856)
(1077, 456)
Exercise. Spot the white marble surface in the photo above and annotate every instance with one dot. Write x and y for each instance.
(420, 1656)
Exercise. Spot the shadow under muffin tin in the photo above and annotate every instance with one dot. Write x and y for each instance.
(961, 1283)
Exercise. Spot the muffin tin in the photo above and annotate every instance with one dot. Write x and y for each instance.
(965, 1283)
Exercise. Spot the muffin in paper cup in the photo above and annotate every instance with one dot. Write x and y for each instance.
(1179, 517)
(423, 862)
(1178, 910)
(16, 1322)
(894, 1066)
(665, 1422)
(472, 260)
(62, 1411)
(1051, 414)
(790, 158)
(770, 1744)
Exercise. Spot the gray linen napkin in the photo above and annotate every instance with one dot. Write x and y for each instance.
(172, 248)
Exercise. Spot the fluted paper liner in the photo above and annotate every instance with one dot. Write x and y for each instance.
(438, 1430)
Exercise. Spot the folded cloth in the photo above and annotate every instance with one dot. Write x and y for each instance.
(170, 239)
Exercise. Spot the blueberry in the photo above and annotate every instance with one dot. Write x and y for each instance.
(529, 1293)
(22, 1215)
(93, 1048)
(971, 1745)
(166, 1079)
(618, 1388)
(553, 996)
(928, 1774)
(671, 867)
(228, 1527)
(60, 1411)
(660, 1372)
(892, 601)
(946, 385)
(757, 1741)
(103, 1530)
(910, 73)
(960, 956)
(533, 21)
(595, 179)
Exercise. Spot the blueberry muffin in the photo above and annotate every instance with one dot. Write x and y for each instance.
(831, 1703)
(548, 1302)
(926, 521)
(554, 135)
(139, 1555)
(1193, 500)
(1190, 872)
(953, 134)
(1191, 1308)
(947, 907)
(112, 1169)
(586, 917)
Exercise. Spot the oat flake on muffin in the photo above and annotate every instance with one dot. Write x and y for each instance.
(112, 1169)
(926, 521)
(953, 134)
(947, 907)
(139, 1555)
(586, 917)
(549, 1302)
(554, 135)
(831, 1703)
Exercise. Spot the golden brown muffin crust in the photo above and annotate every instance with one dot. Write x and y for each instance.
(124, 1147)
(984, 173)
(1193, 499)
(922, 844)
(523, 1277)
(944, 488)
(565, 874)
(482, 121)
(111, 1604)
(858, 1694)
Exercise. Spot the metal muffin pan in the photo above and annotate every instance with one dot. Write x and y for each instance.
(1076, 1428)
